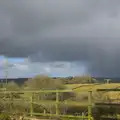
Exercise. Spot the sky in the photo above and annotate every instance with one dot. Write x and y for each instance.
(23, 67)
(60, 37)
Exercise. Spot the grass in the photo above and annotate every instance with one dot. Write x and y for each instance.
(93, 87)
(81, 93)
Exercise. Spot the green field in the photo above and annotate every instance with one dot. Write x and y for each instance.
(56, 99)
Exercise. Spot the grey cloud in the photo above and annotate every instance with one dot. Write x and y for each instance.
(63, 30)
(57, 65)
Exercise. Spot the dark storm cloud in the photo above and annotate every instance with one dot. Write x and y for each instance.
(63, 30)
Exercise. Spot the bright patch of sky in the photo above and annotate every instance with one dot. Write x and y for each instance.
(23, 67)
(16, 60)
(12, 60)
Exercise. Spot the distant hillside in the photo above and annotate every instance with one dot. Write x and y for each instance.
(114, 80)
(17, 80)
(99, 79)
